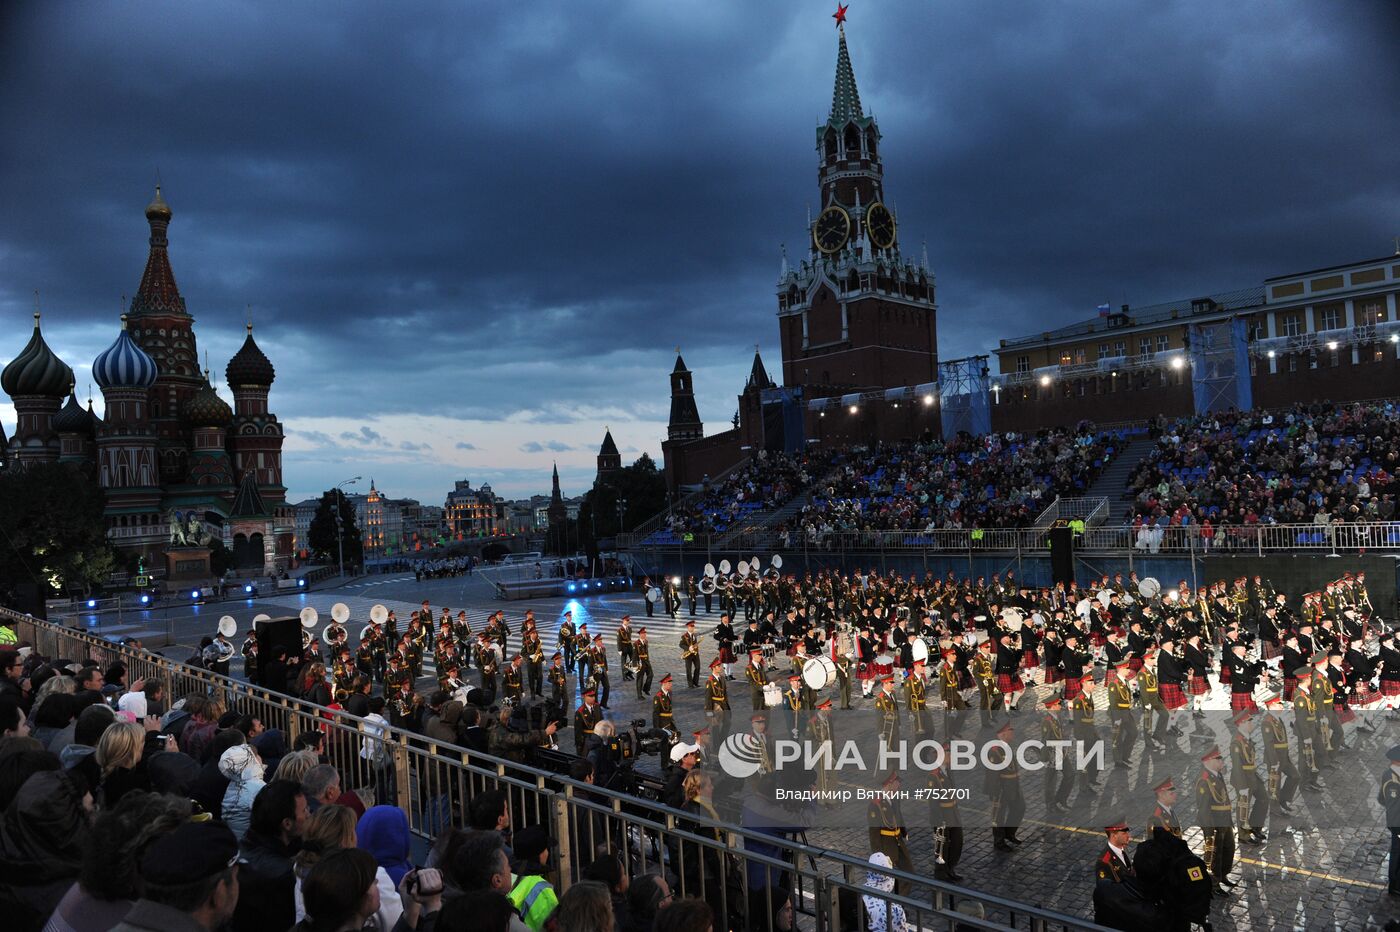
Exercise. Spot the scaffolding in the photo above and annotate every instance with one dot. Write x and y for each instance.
(1220, 378)
(963, 396)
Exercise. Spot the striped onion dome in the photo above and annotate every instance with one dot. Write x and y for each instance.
(73, 419)
(124, 364)
(36, 370)
(206, 409)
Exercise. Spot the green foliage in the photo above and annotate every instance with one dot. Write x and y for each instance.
(641, 486)
(321, 536)
(51, 529)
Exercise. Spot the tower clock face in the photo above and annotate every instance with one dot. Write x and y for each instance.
(879, 225)
(832, 229)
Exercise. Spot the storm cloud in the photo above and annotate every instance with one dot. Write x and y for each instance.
(499, 221)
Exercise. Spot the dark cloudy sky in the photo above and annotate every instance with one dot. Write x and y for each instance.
(471, 234)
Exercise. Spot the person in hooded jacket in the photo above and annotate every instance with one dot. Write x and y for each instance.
(42, 837)
(383, 832)
(245, 773)
(880, 914)
(210, 784)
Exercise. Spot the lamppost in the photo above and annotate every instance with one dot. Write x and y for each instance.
(339, 525)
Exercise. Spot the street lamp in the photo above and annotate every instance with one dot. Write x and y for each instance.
(339, 525)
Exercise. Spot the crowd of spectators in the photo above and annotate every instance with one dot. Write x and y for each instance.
(1321, 464)
(990, 481)
(194, 817)
(767, 481)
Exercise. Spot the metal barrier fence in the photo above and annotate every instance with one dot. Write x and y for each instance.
(721, 863)
(1258, 538)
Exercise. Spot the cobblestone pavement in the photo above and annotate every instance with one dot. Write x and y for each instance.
(1303, 877)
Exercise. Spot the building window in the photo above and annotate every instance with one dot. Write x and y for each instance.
(1163, 342)
(1023, 364)
(1257, 330)
(1144, 346)
(1120, 348)
(1328, 319)
(1064, 357)
(1370, 312)
(1292, 326)
(1103, 350)
(1081, 356)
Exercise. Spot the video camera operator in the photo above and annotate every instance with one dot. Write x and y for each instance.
(514, 738)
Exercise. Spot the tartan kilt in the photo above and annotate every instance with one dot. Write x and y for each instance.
(1054, 676)
(1030, 658)
(1390, 687)
(1363, 695)
(726, 654)
(1197, 685)
(1224, 674)
(1290, 685)
(1171, 695)
(1135, 664)
(1345, 715)
(1270, 650)
(865, 671)
(1009, 683)
(1073, 688)
(1242, 702)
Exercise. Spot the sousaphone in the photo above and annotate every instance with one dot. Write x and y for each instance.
(309, 617)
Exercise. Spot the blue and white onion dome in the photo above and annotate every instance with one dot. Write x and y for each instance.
(124, 364)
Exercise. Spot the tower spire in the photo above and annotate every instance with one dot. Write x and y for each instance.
(158, 293)
(555, 496)
(845, 99)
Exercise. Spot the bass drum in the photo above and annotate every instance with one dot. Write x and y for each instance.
(819, 672)
(772, 695)
(919, 648)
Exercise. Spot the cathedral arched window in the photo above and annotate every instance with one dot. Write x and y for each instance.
(870, 142)
(830, 143)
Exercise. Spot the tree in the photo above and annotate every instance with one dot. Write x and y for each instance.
(641, 485)
(321, 537)
(52, 532)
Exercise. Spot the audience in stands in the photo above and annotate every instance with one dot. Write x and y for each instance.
(993, 481)
(1320, 464)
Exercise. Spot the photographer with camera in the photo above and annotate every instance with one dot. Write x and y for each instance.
(602, 752)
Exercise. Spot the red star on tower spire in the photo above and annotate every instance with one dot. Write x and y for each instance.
(840, 15)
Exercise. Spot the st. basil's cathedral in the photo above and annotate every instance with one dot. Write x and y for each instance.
(178, 466)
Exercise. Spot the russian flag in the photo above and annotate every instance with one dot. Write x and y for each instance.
(1103, 310)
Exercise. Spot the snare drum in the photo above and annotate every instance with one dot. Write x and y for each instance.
(772, 695)
(883, 665)
(819, 672)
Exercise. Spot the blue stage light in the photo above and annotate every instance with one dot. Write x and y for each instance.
(572, 587)
(248, 588)
(301, 583)
(92, 603)
(145, 599)
(194, 594)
